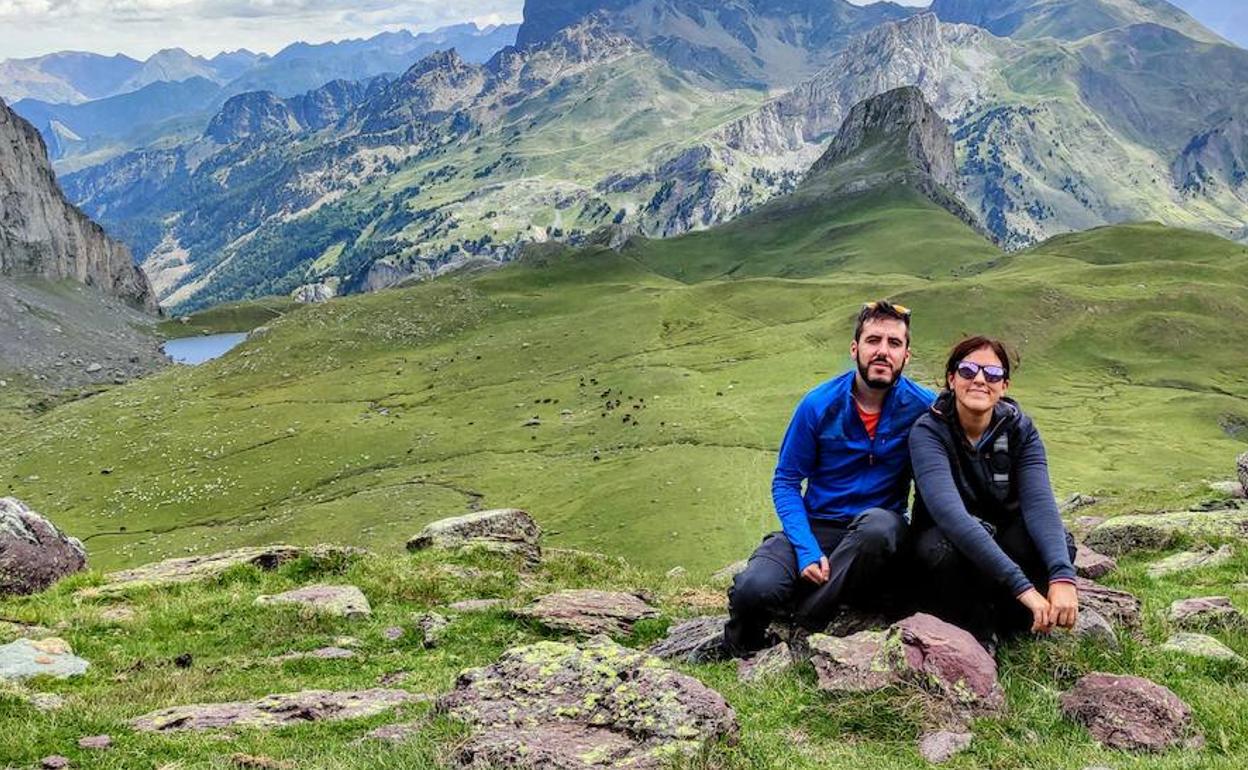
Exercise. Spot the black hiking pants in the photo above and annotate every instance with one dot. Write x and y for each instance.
(862, 557)
(955, 590)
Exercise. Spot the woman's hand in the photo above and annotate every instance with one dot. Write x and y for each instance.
(1041, 611)
(1063, 604)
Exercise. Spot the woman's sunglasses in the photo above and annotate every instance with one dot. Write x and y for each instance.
(968, 369)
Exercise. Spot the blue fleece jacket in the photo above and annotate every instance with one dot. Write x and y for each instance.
(846, 471)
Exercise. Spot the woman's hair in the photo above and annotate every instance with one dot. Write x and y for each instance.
(969, 346)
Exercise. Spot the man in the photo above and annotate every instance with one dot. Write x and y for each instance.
(840, 540)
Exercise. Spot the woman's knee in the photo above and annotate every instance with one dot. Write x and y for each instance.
(935, 552)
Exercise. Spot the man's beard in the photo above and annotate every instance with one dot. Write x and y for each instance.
(878, 384)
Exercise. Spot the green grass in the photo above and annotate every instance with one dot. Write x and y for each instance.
(785, 723)
(230, 317)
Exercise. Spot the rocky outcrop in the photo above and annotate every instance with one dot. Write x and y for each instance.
(589, 612)
(1128, 712)
(693, 640)
(552, 705)
(274, 711)
(25, 659)
(503, 530)
(341, 601)
(192, 569)
(42, 234)
(1189, 560)
(1120, 608)
(1123, 534)
(34, 553)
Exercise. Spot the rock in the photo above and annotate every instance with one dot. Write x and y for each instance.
(396, 734)
(24, 659)
(118, 614)
(1207, 612)
(851, 664)
(947, 663)
(725, 575)
(432, 625)
(692, 641)
(1118, 607)
(505, 530)
(765, 664)
(54, 762)
(553, 705)
(850, 620)
(93, 367)
(1092, 565)
(393, 633)
(95, 742)
(942, 745)
(313, 293)
(34, 553)
(675, 573)
(275, 710)
(1093, 626)
(45, 701)
(253, 762)
(1082, 525)
(324, 653)
(1232, 489)
(195, 568)
(1123, 534)
(1128, 712)
(1241, 469)
(476, 605)
(589, 612)
(259, 331)
(341, 601)
(1180, 562)
(1075, 502)
(1200, 646)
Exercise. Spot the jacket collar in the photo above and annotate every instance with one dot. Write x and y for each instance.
(1004, 414)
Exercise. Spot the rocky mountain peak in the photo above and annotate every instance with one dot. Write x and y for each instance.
(42, 234)
(254, 113)
(901, 117)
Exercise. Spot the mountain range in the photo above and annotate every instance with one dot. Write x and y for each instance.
(1085, 114)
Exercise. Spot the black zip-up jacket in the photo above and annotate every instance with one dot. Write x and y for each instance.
(1003, 478)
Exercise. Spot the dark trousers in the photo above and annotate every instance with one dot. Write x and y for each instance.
(955, 590)
(861, 557)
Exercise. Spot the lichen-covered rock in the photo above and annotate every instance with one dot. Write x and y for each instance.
(554, 705)
(505, 530)
(1082, 525)
(1128, 712)
(947, 663)
(765, 664)
(589, 612)
(693, 640)
(1093, 626)
(1118, 607)
(476, 605)
(34, 553)
(24, 659)
(95, 742)
(1075, 502)
(1123, 534)
(1200, 646)
(851, 664)
(196, 568)
(1092, 565)
(341, 601)
(941, 745)
(1187, 560)
(1241, 470)
(274, 710)
(431, 625)
(1207, 612)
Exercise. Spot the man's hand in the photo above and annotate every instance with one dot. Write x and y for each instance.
(1041, 611)
(819, 572)
(1063, 604)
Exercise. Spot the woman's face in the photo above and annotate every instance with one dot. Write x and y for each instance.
(978, 394)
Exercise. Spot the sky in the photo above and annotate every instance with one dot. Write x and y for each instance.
(139, 28)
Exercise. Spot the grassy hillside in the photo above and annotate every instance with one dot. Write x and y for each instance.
(662, 378)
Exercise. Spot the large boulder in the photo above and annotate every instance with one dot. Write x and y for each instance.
(275, 710)
(947, 664)
(693, 640)
(554, 705)
(1128, 712)
(340, 601)
(24, 659)
(1123, 534)
(505, 530)
(1118, 607)
(1207, 612)
(192, 569)
(34, 553)
(589, 612)
(1204, 556)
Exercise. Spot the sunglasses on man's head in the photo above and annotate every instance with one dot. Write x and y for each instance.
(968, 369)
(905, 311)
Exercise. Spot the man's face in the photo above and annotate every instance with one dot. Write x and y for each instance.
(881, 352)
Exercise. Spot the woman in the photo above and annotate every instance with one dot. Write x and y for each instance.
(994, 556)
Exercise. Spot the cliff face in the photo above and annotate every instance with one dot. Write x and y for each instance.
(42, 234)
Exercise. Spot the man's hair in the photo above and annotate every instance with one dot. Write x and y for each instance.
(969, 346)
(881, 310)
